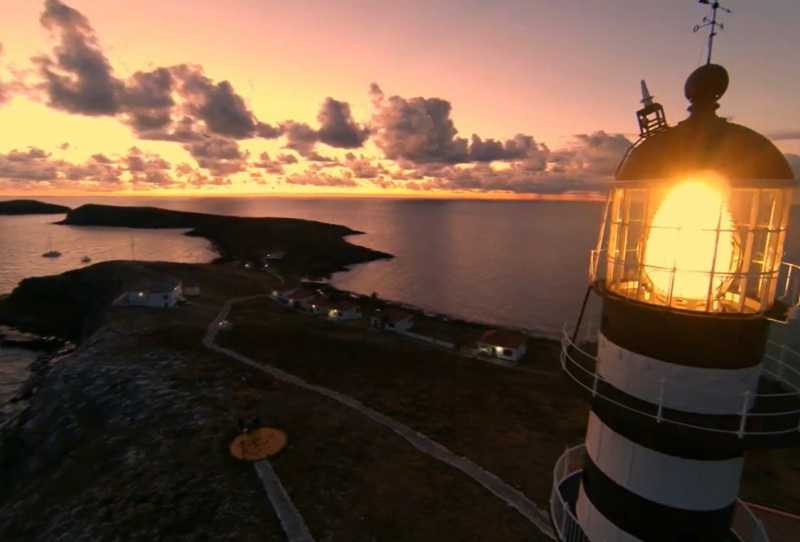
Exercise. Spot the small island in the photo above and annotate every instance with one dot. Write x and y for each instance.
(31, 207)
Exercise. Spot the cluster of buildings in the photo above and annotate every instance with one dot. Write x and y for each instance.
(502, 346)
(159, 293)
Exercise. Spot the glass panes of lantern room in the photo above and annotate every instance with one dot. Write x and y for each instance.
(693, 246)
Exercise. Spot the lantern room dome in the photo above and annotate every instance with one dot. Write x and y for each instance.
(705, 141)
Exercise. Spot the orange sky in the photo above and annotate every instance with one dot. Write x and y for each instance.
(550, 70)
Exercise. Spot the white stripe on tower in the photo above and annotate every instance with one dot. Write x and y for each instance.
(677, 482)
(686, 388)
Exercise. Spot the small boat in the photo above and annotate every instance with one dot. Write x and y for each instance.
(86, 259)
(50, 252)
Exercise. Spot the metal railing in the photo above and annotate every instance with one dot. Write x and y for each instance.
(761, 413)
(564, 521)
(745, 525)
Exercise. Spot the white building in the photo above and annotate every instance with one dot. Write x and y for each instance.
(275, 255)
(392, 320)
(162, 293)
(505, 345)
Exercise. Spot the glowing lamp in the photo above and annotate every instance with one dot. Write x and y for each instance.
(697, 217)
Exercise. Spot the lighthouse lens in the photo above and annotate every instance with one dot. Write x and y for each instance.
(691, 245)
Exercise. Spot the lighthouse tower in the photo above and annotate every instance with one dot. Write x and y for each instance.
(683, 380)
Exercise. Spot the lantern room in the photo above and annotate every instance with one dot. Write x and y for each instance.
(697, 218)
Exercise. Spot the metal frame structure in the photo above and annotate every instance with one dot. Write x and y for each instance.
(759, 222)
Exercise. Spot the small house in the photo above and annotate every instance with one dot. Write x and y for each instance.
(504, 345)
(275, 255)
(392, 319)
(299, 297)
(344, 310)
(163, 293)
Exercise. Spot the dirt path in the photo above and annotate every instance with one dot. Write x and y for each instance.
(504, 491)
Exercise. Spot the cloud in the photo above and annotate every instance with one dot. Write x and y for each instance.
(362, 167)
(337, 127)
(31, 165)
(267, 164)
(794, 162)
(420, 130)
(586, 165)
(314, 178)
(222, 110)
(219, 155)
(287, 158)
(5, 91)
(591, 155)
(520, 147)
(79, 78)
(784, 135)
(136, 169)
(417, 129)
(300, 137)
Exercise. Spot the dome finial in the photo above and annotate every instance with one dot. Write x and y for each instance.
(704, 87)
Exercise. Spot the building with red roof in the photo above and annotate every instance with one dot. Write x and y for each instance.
(503, 344)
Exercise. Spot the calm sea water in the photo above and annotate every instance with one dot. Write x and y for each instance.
(23, 240)
(509, 262)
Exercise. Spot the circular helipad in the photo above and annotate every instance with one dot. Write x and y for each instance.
(258, 444)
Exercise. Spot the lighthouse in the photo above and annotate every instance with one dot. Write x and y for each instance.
(682, 379)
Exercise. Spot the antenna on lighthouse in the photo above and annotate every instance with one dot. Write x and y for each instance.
(712, 24)
(647, 98)
(651, 117)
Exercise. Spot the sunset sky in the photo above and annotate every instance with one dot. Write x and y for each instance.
(474, 98)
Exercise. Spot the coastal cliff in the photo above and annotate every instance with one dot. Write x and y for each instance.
(31, 207)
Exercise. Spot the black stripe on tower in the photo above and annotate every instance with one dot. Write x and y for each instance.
(669, 438)
(651, 521)
(695, 340)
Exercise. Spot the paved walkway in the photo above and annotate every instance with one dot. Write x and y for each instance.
(511, 496)
(293, 523)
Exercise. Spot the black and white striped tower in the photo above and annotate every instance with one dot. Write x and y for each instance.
(688, 267)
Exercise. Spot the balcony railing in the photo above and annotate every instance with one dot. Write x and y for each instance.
(746, 526)
(562, 504)
(762, 414)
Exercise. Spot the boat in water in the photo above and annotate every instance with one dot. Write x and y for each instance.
(50, 252)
